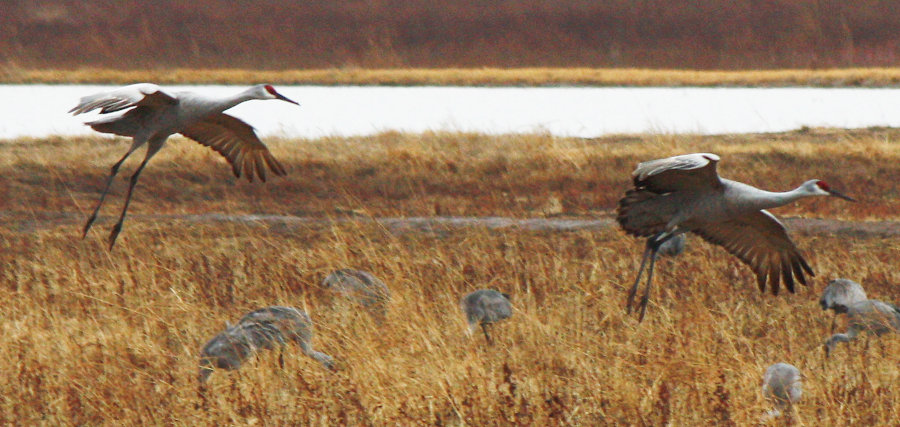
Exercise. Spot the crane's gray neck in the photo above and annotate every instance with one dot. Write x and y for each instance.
(323, 358)
(756, 199)
(233, 100)
(835, 339)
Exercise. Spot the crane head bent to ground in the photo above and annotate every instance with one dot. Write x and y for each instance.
(782, 385)
(153, 115)
(684, 193)
(485, 307)
(839, 295)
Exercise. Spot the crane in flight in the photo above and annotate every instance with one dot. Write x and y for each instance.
(684, 193)
(154, 114)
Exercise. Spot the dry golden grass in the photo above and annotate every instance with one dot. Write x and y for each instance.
(394, 174)
(93, 337)
(866, 77)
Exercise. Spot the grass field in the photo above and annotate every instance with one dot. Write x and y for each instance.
(93, 337)
(842, 77)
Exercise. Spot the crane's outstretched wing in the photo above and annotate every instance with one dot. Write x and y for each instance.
(760, 241)
(236, 141)
(686, 172)
(141, 94)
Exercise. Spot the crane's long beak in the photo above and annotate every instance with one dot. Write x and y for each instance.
(841, 195)
(283, 98)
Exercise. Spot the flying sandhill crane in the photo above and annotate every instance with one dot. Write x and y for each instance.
(685, 194)
(484, 307)
(259, 329)
(869, 316)
(783, 386)
(362, 287)
(840, 294)
(154, 114)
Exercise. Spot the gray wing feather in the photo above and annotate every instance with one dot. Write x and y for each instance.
(237, 142)
(685, 172)
(141, 94)
(761, 242)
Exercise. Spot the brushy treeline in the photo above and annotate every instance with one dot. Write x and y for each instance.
(282, 34)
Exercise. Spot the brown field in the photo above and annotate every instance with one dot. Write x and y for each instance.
(96, 337)
(848, 77)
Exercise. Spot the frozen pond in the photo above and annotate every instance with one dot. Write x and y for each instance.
(40, 110)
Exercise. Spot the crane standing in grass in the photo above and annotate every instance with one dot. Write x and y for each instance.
(484, 307)
(673, 247)
(839, 295)
(260, 329)
(782, 384)
(362, 287)
(154, 114)
(870, 316)
(684, 193)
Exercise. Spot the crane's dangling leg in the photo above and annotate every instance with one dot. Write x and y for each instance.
(833, 321)
(154, 147)
(653, 244)
(637, 281)
(646, 298)
(112, 174)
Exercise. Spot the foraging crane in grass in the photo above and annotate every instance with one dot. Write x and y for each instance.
(782, 384)
(684, 193)
(672, 247)
(870, 316)
(362, 287)
(259, 329)
(840, 294)
(484, 307)
(154, 114)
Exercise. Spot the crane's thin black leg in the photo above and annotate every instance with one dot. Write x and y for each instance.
(484, 327)
(646, 297)
(833, 321)
(112, 174)
(152, 149)
(653, 244)
(637, 280)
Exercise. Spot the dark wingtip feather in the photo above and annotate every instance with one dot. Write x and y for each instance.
(787, 276)
(761, 281)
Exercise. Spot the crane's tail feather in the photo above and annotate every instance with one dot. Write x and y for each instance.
(644, 213)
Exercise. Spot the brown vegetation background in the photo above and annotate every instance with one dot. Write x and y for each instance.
(287, 34)
(95, 337)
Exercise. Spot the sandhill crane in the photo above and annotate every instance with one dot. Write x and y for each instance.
(484, 307)
(362, 287)
(231, 347)
(839, 294)
(672, 247)
(294, 324)
(154, 114)
(260, 329)
(871, 316)
(684, 193)
(782, 384)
